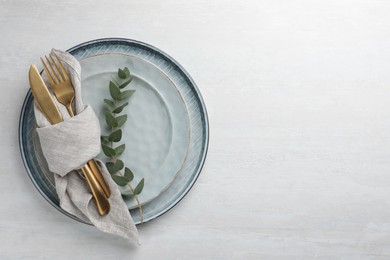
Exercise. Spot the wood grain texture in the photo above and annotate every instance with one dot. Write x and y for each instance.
(298, 100)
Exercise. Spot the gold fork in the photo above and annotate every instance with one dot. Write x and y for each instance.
(64, 92)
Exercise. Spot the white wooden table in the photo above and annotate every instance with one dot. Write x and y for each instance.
(298, 99)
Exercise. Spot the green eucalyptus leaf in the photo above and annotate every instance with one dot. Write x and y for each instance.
(116, 83)
(110, 104)
(127, 195)
(128, 174)
(121, 120)
(114, 90)
(110, 120)
(104, 138)
(119, 165)
(139, 187)
(127, 71)
(126, 94)
(124, 84)
(121, 74)
(111, 167)
(120, 108)
(120, 149)
(120, 180)
(108, 151)
(115, 136)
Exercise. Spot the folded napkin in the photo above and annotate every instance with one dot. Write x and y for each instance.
(67, 146)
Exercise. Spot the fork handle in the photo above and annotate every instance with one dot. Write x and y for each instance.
(98, 175)
(92, 164)
(102, 202)
(70, 109)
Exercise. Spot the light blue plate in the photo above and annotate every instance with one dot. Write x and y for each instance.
(157, 133)
(185, 113)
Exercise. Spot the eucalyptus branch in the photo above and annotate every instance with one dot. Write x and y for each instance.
(115, 121)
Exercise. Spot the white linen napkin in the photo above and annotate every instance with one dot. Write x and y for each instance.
(67, 146)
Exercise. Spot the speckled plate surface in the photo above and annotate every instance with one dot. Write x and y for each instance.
(157, 132)
(173, 144)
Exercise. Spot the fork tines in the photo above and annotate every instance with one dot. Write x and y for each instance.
(58, 73)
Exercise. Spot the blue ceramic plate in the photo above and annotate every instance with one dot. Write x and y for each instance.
(180, 125)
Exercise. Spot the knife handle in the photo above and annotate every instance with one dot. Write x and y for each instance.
(98, 174)
(102, 202)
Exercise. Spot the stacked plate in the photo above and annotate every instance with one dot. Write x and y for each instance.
(166, 134)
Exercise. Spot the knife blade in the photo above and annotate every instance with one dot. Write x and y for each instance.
(43, 97)
(49, 108)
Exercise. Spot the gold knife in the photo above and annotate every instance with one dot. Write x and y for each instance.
(47, 105)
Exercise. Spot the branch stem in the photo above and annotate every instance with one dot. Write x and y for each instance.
(115, 158)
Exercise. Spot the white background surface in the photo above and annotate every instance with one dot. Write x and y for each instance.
(298, 98)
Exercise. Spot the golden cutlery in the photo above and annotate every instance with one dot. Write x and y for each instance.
(50, 110)
(64, 92)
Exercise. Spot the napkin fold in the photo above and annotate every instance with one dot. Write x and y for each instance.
(67, 146)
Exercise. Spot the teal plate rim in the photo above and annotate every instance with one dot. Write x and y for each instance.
(185, 76)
